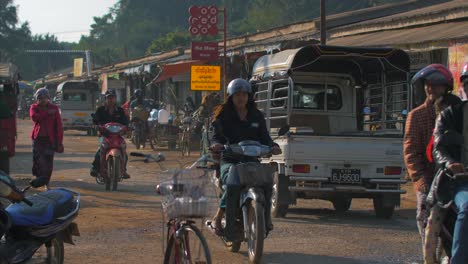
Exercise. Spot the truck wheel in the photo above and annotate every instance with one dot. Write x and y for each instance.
(381, 210)
(341, 204)
(277, 210)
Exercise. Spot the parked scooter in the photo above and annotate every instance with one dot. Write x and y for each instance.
(252, 213)
(34, 228)
(112, 164)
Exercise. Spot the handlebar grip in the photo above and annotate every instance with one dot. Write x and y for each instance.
(137, 154)
(27, 201)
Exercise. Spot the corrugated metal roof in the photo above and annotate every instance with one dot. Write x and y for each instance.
(431, 33)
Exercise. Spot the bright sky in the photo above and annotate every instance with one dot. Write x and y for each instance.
(67, 19)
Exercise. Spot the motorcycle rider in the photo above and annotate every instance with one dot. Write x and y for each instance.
(236, 120)
(110, 112)
(455, 159)
(435, 80)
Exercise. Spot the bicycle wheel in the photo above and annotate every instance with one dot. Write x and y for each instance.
(189, 248)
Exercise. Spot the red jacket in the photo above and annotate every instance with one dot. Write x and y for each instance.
(53, 121)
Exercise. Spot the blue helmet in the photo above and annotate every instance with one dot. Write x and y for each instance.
(239, 85)
(138, 93)
(435, 74)
(109, 93)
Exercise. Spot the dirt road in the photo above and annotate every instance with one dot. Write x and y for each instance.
(125, 226)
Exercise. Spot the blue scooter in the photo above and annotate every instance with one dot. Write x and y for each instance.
(33, 229)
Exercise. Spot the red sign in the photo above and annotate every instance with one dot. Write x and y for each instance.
(203, 20)
(205, 51)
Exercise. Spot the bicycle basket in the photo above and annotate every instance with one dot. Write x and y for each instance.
(187, 193)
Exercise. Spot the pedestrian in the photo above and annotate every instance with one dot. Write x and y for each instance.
(435, 80)
(47, 136)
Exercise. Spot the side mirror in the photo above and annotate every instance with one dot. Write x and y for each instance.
(283, 130)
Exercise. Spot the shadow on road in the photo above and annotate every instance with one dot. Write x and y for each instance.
(306, 258)
(363, 218)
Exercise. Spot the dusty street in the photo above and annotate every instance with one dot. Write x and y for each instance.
(125, 226)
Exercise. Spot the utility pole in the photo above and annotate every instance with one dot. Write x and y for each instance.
(323, 23)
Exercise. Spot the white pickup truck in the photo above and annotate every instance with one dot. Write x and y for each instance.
(345, 109)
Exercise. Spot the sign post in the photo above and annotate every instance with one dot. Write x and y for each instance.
(78, 67)
(203, 21)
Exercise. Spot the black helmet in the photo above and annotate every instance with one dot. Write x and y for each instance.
(435, 74)
(238, 85)
(464, 74)
(109, 93)
(138, 93)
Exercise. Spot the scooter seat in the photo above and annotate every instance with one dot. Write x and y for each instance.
(47, 206)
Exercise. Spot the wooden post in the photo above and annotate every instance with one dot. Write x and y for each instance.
(323, 23)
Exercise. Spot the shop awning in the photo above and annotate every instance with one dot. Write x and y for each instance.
(172, 69)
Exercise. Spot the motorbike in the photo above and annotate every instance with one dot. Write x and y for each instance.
(113, 158)
(138, 133)
(34, 228)
(251, 214)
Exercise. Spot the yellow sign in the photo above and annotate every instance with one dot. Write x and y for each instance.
(78, 67)
(205, 78)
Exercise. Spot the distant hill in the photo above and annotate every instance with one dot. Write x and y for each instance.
(135, 27)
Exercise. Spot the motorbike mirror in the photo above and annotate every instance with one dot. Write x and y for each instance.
(283, 130)
(451, 137)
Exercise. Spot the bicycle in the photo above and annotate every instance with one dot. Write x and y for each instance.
(184, 136)
(186, 196)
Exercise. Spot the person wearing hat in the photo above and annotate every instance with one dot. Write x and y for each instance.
(47, 136)
(110, 112)
(431, 82)
(236, 120)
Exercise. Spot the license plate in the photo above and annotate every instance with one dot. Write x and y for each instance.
(349, 176)
(81, 114)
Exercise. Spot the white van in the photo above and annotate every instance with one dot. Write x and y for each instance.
(76, 99)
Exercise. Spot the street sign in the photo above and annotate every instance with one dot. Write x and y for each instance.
(203, 20)
(205, 78)
(205, 51)
(78, 67)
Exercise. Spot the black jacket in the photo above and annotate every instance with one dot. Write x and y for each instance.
(447, 149)
(451, 119)
(228, 128)
(102, 116)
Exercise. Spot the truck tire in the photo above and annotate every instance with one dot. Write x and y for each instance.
(381, 210)
(341, 204)
(277, 209)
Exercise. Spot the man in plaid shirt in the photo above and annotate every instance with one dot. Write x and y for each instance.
(435, 80)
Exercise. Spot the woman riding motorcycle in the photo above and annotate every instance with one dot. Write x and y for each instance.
(236, 120)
